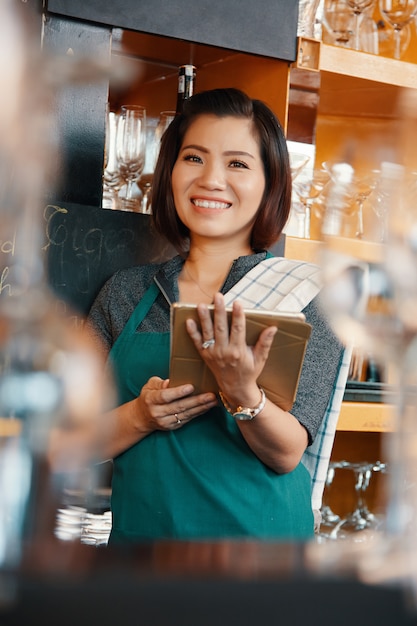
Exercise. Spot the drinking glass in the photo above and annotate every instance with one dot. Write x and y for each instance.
(339, 21)
(112, 179)
(307, 10)
(154, 144)
(297, 224)
(308, 191)
(358, 7)
(362, 185)
(329, 518)
(298, 160)
(398, 13)
(361, 518)
(131, 150)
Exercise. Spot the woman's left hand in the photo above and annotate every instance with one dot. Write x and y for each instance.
(235, 365)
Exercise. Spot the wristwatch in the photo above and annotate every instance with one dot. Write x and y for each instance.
(244, 413)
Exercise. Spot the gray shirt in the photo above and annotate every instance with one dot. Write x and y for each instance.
(118, 298)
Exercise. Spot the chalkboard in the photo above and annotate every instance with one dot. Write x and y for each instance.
(85, 245)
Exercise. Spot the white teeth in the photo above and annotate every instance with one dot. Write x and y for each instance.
(206, 204)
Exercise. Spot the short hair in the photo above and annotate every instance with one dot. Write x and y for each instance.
(275, 205)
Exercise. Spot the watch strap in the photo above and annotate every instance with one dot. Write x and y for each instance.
(243, 413)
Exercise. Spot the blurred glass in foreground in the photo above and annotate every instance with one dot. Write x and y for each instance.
(370, 298)
(52, 388)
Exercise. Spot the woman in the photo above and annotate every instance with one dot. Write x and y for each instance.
(184, 467)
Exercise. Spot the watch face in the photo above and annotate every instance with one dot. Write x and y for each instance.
(243, 416)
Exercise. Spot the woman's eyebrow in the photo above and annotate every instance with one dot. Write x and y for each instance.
(192, 146)
(238, 153)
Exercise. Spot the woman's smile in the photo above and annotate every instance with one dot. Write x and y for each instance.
(218, 205)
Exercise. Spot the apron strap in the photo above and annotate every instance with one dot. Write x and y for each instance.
(139, 314)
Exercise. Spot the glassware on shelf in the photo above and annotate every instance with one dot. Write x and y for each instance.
(387, 39)
(165, 119)
(112, 179)
(358, 7)
(131, 152)
(152, 152)
(308, 191)
(307, 10)
(338, 20)
(398, 13)
(329, 518)
(361, 186)
(361, 518)
(298, 160)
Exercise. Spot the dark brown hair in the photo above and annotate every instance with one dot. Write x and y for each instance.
(275, 205)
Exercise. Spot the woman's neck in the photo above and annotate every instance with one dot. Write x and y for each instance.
(204, 272)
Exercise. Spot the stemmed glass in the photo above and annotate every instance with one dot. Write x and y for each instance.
(361, 186)
(145, 181)
(308, 190)
(398, 13)
(329, 518)
(339, 21)
(112, 179)
(364, 185)
(361, 517)
(131, 150)
(358, 7)
(298, 161)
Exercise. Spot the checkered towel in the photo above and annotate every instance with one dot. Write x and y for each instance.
(287, 285)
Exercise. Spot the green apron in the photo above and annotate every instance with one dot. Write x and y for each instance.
(200, 481)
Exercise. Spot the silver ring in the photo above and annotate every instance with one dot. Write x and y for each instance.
(208, 343)
(177, 418)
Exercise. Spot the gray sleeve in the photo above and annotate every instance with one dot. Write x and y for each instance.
(99, 319)
(321, 365)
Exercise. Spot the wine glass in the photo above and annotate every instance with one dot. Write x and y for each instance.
(298, 160)
(398, 13)
(329, 518)
(131, 150)
(361, 187)
(296, 224)
(387, 38)
(154, 144)
(361, 518)
(358, 7)
(112, 179)
(339, 21)
(308, 190)
(364, 185)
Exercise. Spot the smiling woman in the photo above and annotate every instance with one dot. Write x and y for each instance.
(184, 465)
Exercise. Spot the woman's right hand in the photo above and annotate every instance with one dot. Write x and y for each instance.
(161, 407)
(158, 407)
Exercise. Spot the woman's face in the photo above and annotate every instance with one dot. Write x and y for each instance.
(218, 179)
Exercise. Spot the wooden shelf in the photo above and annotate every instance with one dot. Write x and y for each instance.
(370, 67)
(366, 417)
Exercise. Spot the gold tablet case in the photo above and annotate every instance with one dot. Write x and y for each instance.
(282, 371)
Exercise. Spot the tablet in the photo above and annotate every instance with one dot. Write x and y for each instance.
(281, 372)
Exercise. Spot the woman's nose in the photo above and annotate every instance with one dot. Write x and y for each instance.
(213, 176)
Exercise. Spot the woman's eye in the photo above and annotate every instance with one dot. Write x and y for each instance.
(238, 164)
(193, 158)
